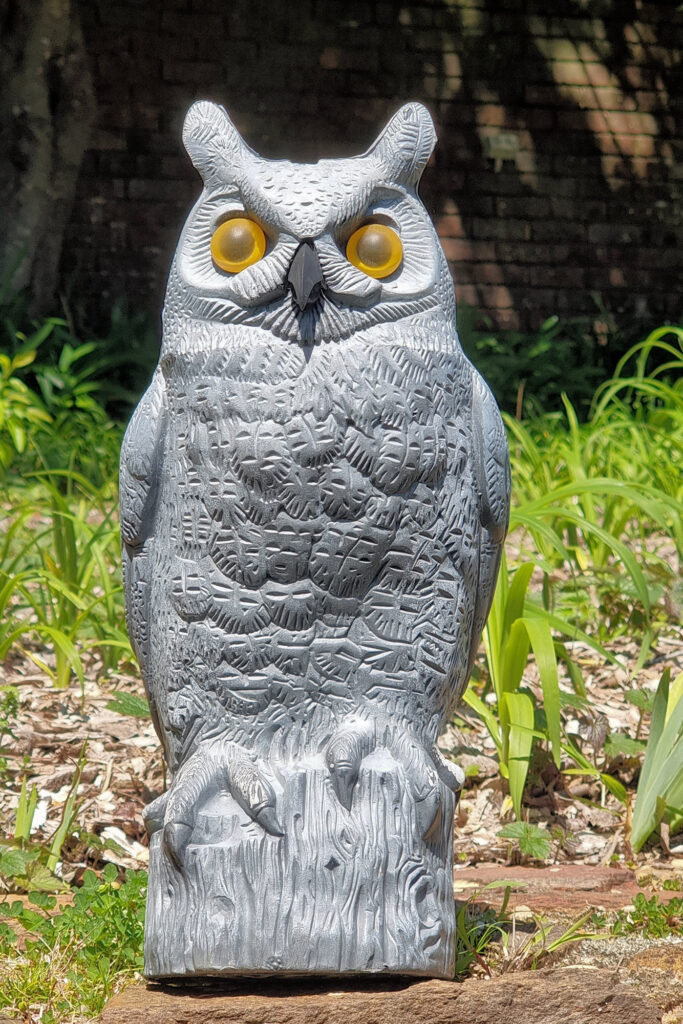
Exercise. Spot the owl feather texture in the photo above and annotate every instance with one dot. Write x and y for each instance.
(314, 497)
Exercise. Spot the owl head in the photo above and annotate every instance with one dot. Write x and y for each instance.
(309, 252)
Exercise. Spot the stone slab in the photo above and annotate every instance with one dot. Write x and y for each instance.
(658, 971)
(557, 996)
(561, 888)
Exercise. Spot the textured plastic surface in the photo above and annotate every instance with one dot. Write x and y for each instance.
(314, 495)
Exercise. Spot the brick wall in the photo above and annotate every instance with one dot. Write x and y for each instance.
(557, 175)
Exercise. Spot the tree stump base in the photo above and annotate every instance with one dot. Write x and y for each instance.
(339, 892)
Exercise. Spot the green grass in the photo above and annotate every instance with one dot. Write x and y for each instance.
(74, 958)
(597, 514)
(659, 796)
(60, 583)
(61, 599)
(602, 499)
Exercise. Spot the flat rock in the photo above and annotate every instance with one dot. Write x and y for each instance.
(561, 888)
(661, 957)
(658, 972)
(557, 996)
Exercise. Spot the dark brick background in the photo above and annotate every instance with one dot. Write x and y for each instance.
(591, 92)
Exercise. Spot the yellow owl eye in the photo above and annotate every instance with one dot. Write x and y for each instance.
(236, 244)
(375, 249)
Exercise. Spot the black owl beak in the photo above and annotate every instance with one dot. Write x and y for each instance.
(305, 276)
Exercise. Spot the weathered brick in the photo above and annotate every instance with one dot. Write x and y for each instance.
(506, 182)
(154, 189)
(530, 207)
(490, 114)
(580, 28)
(551, 231)
(516, 274)
(461, 250)
(556, 276)
(629, 145)
(204, 26)
(521, 252)
(573, 72)
(449, 227)
(192, 72)
(487, 273)
(557, 49)
(598, 74)
(466, 293)
(121, 16)
(615, 233)
(504, 230)
(546, 184)
(175, 47)
(495, 296)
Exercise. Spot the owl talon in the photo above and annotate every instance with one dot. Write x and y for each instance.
(175, 840)
(451, 774)
(251, 789)
(428, 808)
(343, 757)
(212, 767)
(432, 830)
(154, 813)
(267, 819)
(424, 781)
(344, 778)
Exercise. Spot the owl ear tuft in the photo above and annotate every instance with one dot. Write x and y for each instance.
(405, 145)
(213, 143)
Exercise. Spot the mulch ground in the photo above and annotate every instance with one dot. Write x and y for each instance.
(590, 864)
(124, 771)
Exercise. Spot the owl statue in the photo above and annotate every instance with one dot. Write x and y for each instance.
(314, 495)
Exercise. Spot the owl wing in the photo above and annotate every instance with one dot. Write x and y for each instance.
(141, 455)
(492, 480)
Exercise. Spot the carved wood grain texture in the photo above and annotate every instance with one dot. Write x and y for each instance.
(340, 892)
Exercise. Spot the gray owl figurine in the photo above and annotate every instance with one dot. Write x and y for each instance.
(314, 496)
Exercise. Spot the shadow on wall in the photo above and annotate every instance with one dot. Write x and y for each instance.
(583, 206)
(551, 180)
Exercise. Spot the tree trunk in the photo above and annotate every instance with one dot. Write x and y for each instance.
(47, 107)
(339, 892)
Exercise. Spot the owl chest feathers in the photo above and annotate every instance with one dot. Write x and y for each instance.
(304, 482)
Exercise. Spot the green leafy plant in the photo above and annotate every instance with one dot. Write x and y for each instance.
(476, 927)
(652, 918)
(26, 866)
(88, 947)
(129, 704)
(26, 809)
(533, 842)
(9, 708)
(543, 942)
(517, 719)
(528, 371)
(60, 589)
(660, 788)
(21, 411)
(517, 626)
(591, 496)
(586, 767)
(588, 498)
(487, 936)
(60, 580)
